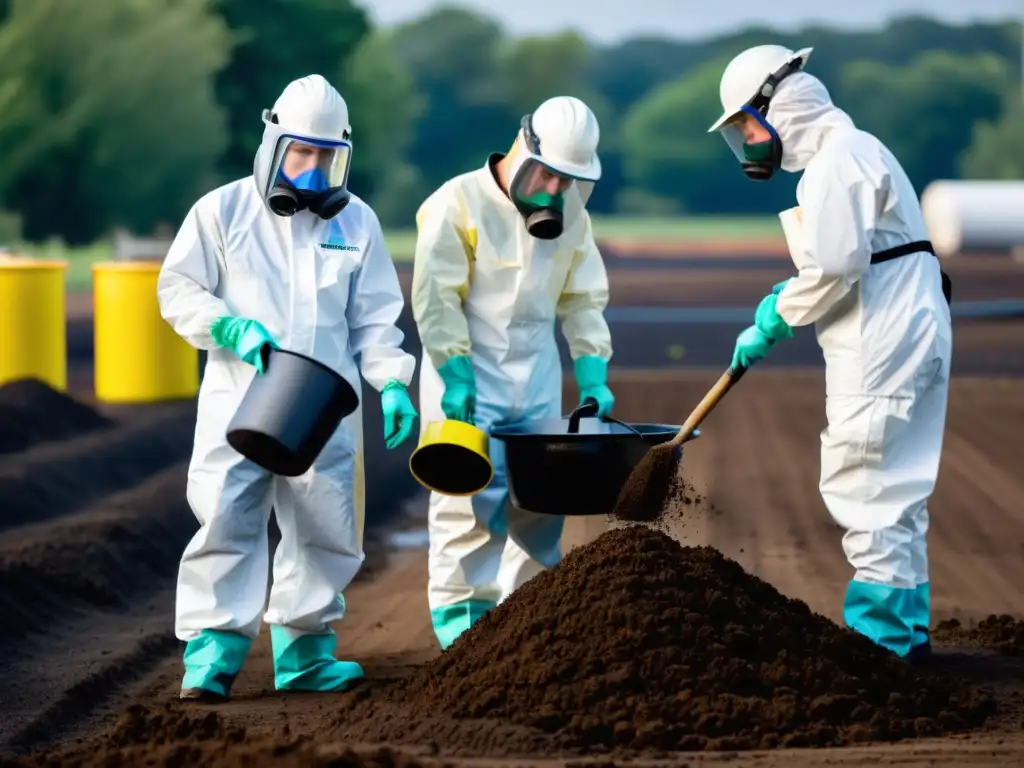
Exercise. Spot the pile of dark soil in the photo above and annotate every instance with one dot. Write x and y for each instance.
(634, 642)
(107, 557)
(51, 480)
(173, 737)
(1002, 633)
(32, 413)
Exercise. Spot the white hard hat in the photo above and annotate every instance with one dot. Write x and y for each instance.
(745, 75)
(567, 134)
(312, 108)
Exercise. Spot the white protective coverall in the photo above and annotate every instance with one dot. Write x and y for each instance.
(233, 256)
(886, 335)
(484, 287)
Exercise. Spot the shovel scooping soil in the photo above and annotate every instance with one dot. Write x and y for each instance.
(652, 483)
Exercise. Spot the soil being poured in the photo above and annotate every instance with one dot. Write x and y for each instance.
(635, 642)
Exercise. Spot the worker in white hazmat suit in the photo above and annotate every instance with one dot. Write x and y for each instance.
(503, 252)
(870, 282)
(287, 257)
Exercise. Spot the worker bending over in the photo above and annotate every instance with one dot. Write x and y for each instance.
(870, 282)
(501, 252)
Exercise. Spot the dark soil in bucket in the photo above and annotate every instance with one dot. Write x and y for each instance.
(634, 642)
(31, 412)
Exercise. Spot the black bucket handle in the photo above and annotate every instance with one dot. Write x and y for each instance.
(587, 409)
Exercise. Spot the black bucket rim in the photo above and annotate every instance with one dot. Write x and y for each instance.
(656, 432)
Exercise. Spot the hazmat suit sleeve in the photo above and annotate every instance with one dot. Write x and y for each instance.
(583, 300)
(444, 252)
(375, 303)
(840, 209)
(190, 275)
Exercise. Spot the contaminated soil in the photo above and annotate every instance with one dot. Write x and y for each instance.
(681, 649)
(1002, 633)
(31, 412)
(90, 653)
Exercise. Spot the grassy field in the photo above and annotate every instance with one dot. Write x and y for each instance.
(402, 243)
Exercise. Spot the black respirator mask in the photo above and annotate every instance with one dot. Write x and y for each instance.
(543, 212)
(285, 199)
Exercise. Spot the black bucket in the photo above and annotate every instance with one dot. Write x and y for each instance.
(289, 412)
(574, 466)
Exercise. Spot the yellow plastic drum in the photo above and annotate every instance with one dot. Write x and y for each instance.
(452, 458)
(33, 340)
(139, 358)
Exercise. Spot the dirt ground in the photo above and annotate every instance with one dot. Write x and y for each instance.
(92, 527)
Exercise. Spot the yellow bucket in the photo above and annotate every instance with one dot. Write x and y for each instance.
(452, 458)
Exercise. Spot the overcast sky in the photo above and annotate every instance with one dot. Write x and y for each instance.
(612, 20)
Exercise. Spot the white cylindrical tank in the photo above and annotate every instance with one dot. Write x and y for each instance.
(974, 215)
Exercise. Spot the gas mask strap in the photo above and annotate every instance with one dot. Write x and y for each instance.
(763, 98)
(529, 137)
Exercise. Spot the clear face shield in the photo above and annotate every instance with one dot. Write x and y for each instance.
(308, 174)
(754, 142)
(538, 192)
(748, 133)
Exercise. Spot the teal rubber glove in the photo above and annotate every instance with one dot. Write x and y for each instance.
(591, 378)
(399, 414)
(245, 338)
(752, 346)
(777, 288)
(459, 399)
(769, 321)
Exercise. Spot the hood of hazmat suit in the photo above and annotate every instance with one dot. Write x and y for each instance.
(322, 287)
(884, 328)
(556, 150)
(749, 84)
(304, 159)
(487, 292)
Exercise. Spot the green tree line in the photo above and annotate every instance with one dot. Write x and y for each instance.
(123, 112)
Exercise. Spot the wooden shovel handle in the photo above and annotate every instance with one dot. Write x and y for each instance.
(705, 406)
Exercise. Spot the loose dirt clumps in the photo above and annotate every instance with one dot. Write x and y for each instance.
(1002, 633)
(31, 412)
(634, 642)
(172, 737)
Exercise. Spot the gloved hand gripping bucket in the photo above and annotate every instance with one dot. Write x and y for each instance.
(289, 412)
(452, 458)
